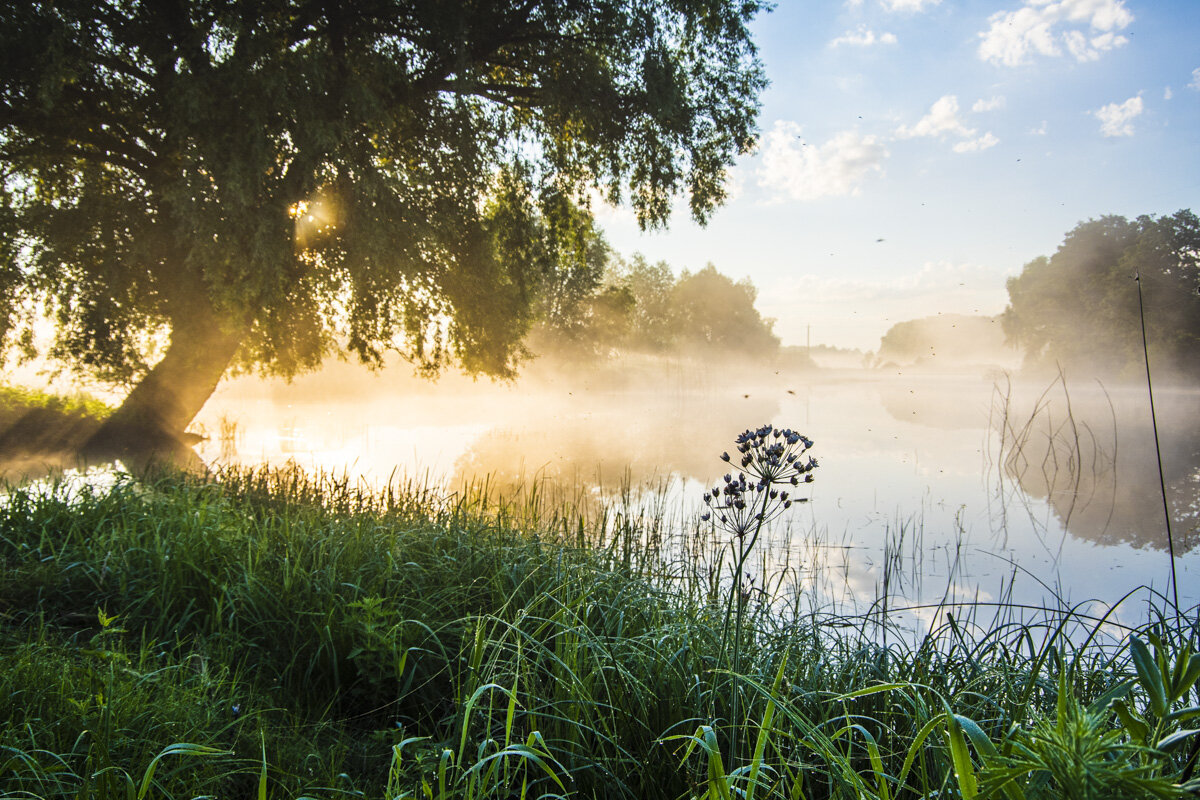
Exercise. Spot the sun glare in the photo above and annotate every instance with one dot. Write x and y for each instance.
(314, 218)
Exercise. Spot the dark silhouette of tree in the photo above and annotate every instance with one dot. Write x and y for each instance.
(1080, 306)
(190, 186)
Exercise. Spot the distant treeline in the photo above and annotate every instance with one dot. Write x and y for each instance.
(1079, 307)
(943, 339)
(632, 305)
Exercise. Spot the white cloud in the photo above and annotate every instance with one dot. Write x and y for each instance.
(1167, 93)
(1044, 27)
(1040, 130)
(1116, 119)
(908, 5)
(863, 37)
(977, 144)
(990, 104)
(1195, 84)
(941, 119)
(800, 171)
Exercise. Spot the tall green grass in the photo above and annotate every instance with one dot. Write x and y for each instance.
(266, 633)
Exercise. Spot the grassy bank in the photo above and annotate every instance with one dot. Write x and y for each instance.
(268, 634)
(39, 428)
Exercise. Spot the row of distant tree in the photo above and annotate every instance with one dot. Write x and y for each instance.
(1080, 307)
(633, 305)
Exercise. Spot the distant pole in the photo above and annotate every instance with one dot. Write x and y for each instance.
(808, 340)
(1162, 483)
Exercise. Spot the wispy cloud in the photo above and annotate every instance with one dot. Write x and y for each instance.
(863, 37)
(977, 144)
(1195, 84)
(908, 5)
(799, 171)
(1040, 130)
(991, 104)
(1047, 28)
(1116, 119)
(1167, 93)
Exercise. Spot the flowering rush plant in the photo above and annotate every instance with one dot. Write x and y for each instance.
(770, 459)
(772, 462)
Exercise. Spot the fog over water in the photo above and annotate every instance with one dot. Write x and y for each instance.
(963, 483)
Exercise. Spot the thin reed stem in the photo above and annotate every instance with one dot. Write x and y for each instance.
(1162, 483)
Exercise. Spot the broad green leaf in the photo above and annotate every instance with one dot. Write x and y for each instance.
(964, 770)
(1183, 714)
(1101, 703)
(1172, 741)
(1149, 675)
(1137, 729)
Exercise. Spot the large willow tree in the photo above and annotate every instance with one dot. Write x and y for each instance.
(194, 185)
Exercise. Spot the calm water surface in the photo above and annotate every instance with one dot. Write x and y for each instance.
(930, 487)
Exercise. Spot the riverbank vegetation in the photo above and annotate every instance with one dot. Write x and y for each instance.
(39, 425)
(268, 633)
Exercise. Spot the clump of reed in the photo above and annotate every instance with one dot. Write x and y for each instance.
(272, 633)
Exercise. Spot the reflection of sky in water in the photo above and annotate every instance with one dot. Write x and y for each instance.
(908, 491)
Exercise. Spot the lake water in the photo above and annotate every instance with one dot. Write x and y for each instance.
(931, 488)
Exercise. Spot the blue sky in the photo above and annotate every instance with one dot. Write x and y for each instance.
(968, 136)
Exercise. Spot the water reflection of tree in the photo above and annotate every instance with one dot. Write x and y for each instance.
(1090, 454)
(634, 441)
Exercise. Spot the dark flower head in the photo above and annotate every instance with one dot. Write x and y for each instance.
(769, 458)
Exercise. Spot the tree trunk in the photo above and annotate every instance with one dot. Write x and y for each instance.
(150, 423)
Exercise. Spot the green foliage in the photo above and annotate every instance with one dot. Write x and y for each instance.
(293, 176)
(652, 326)
(17, 399)
(642, 307)
(273, 633)
(712, 311)
(1080, 752)
(1080, 306)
